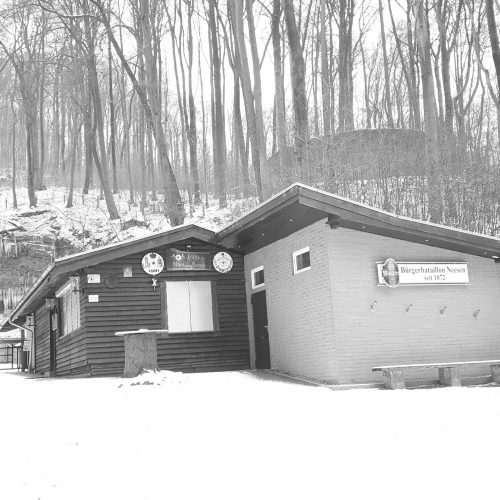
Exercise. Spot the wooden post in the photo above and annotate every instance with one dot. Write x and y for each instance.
(450, 376)
(394, 379)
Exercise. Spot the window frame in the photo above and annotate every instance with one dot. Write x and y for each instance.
(72, 286)
(253, 272)
(296, 254)
(215, 307)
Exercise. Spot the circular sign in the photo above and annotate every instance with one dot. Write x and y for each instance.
(390, 273)
(223, 262)
(153, 263)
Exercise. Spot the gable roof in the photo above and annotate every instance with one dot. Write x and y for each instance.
(285, 213)
(299, 206)
(57, 273)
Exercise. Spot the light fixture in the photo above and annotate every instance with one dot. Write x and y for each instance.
(50, 304)
(409, 308)
(443, 309)
(476, 313)
(372, 307)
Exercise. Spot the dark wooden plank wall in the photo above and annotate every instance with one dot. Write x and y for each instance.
(132, 303)
(42, 341)
(71, 355)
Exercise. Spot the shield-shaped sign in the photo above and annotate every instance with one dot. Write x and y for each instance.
(390, 273)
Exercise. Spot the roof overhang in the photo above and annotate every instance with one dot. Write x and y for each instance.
(300, 206)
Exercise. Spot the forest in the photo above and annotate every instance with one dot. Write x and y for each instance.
(395, 103)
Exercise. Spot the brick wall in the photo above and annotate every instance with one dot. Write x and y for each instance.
(321, 324)
(299, 307)
(390, 335)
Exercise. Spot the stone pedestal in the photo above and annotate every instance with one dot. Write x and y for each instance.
(140, 351)
(394, 379)
(450, 376)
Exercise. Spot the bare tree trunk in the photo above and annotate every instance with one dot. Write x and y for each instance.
(257, 94)
(388, 101)
(430, 116)
(495, 52)
(219, 149)
(236, 11)
(346, 112)
(325, 91)
(279, 86)
(112, 124)
(297, 75)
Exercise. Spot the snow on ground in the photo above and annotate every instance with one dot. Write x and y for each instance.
(87, 225)
(241, 435)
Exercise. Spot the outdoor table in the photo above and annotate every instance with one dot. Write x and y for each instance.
(140, 350)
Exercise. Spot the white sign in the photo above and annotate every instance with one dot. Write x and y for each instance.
(27, 345)
(93, 298)
(392, 273)
(93, 278)
(223, 262)
(153, 263)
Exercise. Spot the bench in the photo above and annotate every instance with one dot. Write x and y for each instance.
(449, 373)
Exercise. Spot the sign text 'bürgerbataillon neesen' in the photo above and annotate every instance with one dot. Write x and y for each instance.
(392, 273)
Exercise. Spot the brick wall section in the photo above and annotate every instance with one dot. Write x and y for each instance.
(390, 335)
(299, 307)
(321, 324)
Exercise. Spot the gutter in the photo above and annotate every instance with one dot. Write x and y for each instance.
(30, 292)
(32, 347)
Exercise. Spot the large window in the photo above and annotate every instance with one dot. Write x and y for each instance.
(69, 307)
(189, 306)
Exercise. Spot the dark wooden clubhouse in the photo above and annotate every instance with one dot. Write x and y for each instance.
(81, 301)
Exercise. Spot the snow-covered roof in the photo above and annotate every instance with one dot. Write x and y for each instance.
(285, 213)
(58, 272)
(300, 205)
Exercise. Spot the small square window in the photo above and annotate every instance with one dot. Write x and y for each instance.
(301, 260)
(257, 277)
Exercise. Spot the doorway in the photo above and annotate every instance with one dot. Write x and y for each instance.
(261, 333)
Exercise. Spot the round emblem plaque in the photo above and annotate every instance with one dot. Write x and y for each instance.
(390, 273)
(153, 263)
(223, 262)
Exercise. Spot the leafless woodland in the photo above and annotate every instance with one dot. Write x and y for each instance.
(395, 103)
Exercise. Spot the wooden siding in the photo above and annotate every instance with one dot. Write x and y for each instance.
(132, 303)
(71, 356)
(42, 341)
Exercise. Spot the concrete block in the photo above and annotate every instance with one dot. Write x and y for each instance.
(495, 373)
(394, 379)
(450, 376)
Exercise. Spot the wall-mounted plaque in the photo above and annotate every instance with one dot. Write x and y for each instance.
(93, 278)
(177, 260)
(153, 263)
(223, 262)
(392, 273)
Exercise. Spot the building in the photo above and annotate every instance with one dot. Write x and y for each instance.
(320, 287)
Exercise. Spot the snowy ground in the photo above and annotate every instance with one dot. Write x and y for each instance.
(238, 436)
(87, 225)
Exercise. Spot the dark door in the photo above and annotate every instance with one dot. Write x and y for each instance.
(262, 353)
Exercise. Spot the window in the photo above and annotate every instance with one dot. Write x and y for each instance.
(257, 276)
(189, 306)
(301, 260)
(69, 307)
